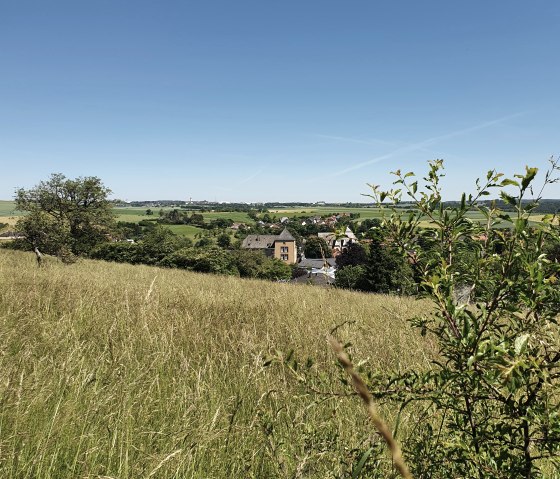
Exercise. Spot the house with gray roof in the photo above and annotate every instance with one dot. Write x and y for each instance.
(282, 246)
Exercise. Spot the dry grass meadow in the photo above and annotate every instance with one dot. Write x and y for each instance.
(119, 371)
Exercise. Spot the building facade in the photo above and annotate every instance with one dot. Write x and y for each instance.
(282, 246)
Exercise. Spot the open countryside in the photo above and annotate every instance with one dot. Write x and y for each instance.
(279, 240)
(394, 255)
(9, 215)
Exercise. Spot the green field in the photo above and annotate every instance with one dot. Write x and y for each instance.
(138, 214)
(326, 210)
(120, 371)
(7, 208)
(185, 230)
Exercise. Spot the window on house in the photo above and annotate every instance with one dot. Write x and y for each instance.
(283, 249)
(284, 257)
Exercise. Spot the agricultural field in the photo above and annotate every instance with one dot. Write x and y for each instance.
(7, 213)
(7, 208)
(186, 230)
(113, 370)
(364, 213)
(135, 214)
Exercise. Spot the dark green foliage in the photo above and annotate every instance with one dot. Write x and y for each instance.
(369, 228)
(316, 247)
(254, 264)
(119, 252)
(159, 243)
(66, 217)
(350, 277)
(379, 269)
(196, 219)
(204, 242)
(353, 255)
(203, 260)
(155, 245)
(386, 271)
(128, 230)
(220, 223)
(178, 217)
(223, 240)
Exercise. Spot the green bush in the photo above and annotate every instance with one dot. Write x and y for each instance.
(491, 399)
(203, 260)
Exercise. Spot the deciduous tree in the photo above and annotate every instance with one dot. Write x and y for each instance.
(65, 217)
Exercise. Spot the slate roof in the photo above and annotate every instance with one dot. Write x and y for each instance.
(286, 236)
(259, 241)
(315, 263)
(266, 241)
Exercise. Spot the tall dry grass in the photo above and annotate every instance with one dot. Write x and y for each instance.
(122, 371)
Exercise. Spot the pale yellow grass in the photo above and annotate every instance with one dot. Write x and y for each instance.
(11, 220)
(122, 371)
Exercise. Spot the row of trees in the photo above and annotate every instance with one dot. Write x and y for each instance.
(161, 247)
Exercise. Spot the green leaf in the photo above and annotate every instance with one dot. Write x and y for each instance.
(510, 200)
(521, 344)
(361, 463)
(509, 181)
(529, 176)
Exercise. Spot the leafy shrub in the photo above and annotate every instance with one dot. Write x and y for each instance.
(316, 247)
(119, 252)
(203, 260)
(492, 397)
(350, 277)
(254, 264)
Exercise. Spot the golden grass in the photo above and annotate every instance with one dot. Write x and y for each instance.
(11, 220)
(111, 370)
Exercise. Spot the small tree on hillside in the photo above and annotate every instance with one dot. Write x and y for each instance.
(65, 217)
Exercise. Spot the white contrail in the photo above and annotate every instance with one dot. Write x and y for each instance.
(249, 178)
(372, 141)
(240, 182)
(424, 143)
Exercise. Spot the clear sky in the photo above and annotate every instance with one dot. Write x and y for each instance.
(274, 100)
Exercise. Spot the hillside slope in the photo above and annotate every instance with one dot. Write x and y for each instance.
(111, 370)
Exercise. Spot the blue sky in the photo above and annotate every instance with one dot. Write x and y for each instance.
(274, 101)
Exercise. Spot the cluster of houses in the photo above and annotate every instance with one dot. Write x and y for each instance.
(283, 247)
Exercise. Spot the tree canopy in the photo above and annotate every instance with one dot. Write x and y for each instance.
(316, 247)
(65, 217)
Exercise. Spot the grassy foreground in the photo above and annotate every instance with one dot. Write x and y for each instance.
(119, 371)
